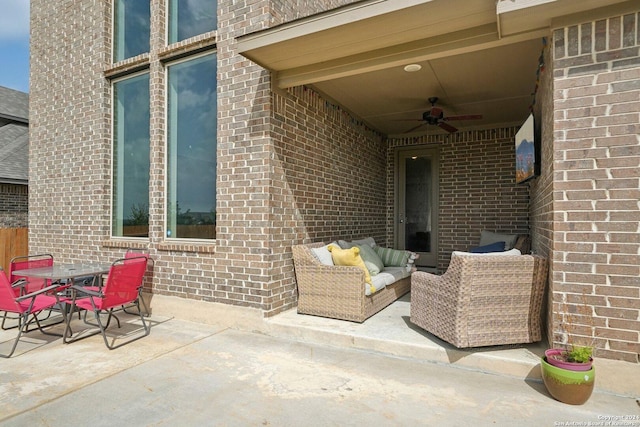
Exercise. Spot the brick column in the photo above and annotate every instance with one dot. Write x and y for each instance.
(596, 260)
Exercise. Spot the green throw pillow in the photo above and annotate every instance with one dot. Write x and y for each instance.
(392, 257)
(371, 259)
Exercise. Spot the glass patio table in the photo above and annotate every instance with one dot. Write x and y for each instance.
(65, 271)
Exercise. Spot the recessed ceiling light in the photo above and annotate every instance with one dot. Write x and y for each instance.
(412, 68)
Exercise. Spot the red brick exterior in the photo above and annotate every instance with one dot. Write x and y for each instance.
(14, 203)
(293, 167)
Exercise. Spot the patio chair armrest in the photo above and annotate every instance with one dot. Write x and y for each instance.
(86, 292)
(38, 292)
(19, 283)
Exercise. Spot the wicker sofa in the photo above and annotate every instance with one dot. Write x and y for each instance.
(482, 300)
(337, 291)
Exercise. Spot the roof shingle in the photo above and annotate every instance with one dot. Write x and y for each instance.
(14, 105)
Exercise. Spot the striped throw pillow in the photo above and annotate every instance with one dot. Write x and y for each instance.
(392, 257)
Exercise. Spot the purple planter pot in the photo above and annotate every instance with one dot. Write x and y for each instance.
(571, 366)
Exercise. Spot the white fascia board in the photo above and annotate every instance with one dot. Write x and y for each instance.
(506, 6)
(324, 21)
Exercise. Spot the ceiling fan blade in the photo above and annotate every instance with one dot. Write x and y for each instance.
(467, 117)
(447, 127)
(414, 128)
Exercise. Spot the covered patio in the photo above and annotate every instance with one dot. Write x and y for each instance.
(382, 61)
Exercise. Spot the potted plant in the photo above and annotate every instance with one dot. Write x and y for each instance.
(567, 385)
(578, 358)
(569, 374)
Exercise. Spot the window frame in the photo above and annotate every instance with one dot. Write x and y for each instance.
(115, 35)
(114, 133)
(165, 210)
(168, 23)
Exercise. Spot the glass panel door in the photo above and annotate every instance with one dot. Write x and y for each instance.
(417, 203)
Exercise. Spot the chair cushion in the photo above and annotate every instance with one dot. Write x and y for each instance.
(492, 247)
(488, 237)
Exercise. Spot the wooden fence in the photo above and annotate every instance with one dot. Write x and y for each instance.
(13, 242)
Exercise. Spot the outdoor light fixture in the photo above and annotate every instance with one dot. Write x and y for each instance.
(412, 68)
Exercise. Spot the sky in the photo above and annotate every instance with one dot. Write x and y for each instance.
(14, 44)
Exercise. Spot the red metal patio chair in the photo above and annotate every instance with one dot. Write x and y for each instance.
(121, 288)
(33, 283)
(30, 261)
(134, 253)
(25, 306)
(130, 253)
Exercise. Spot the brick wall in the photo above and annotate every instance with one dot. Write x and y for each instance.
(292, 167)
(541, 189)
(264, 205)
(289, 10)
(333, 168)
(477, 188)
(596, 263)
(250, 259)
(69, 146)
(14, 205)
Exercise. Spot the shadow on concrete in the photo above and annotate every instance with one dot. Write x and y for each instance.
(455, 354)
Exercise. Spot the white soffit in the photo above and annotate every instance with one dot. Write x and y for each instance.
(364, 33)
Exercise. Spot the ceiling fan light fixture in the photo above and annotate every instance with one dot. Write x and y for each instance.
(412, 68)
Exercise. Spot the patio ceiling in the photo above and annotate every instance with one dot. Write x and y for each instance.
(476, 56)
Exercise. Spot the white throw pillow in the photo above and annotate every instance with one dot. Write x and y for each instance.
(323, 254)
(509, 252)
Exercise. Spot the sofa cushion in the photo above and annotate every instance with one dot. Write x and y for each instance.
(345, 245)
(389, 275)
(393, 257)
(492, 247)
(323, 255)
(351, 257)
(371, 259)
(369, 241)
(488, 237)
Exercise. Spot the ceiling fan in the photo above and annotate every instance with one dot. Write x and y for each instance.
(435, 116)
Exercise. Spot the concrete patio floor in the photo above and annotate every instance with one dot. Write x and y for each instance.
(292, 370)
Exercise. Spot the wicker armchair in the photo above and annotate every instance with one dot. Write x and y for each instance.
(482, 300)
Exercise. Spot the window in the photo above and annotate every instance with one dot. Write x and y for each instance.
(131, 28)
(188, 18)
(130, 211)
(191, 148)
